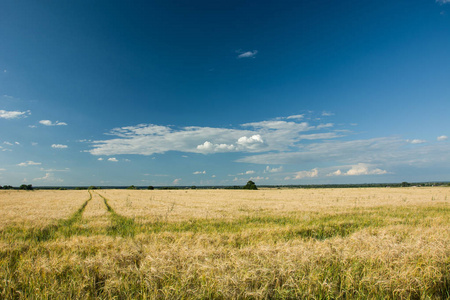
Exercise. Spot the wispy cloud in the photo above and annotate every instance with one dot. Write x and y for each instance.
(29, 163)
(416, 141)
(55, 170)
(249, 172)
(273, 170)
(258, 178)
(49, 178)
(50, 123)
(113, 159)
(295, 117)
(304, 174)
(247, 54)
(386, 151)
(4, 114)
(199, 172)
(443, 1)
(59, 146)
(442, 138)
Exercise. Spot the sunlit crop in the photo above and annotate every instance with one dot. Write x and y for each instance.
(384, 243)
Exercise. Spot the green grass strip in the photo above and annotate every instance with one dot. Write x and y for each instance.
(121, 226)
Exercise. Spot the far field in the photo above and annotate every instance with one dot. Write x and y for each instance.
(359, 243)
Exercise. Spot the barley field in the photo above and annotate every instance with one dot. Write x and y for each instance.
(359, 243)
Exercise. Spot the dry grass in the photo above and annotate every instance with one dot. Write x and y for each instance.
(31, 208)
(181, 205)
(197, 244)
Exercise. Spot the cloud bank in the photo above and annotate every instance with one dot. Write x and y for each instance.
(327, 150)
(148, 139)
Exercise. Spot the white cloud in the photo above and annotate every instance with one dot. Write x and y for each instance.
(8, 143)
(305, 174)
(113, 159)
(327, 114)
(295, 117)
(29, 163)
(442, 137)
(100, 158)
(213, 176)
(247, 54)
(245, 173)
(4, 114)
(252, 142)
(176, 181)
(359, 169)
(208, 147)
(273, 170)
(364, 169)
(416, 141)
(199, 172)
(243, 143)
(443, 1)
(59, 146)
(50, 123)
(49, 177)
(335, 173)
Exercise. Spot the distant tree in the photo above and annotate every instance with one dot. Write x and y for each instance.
(193, 187)
(250, 186)
(92, 187)
(131, 187)
(150, 187)
(26, 187)
(405, 184)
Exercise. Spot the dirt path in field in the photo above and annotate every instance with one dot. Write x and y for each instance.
(96, 213)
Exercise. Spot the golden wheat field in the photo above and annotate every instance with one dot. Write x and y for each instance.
(358, 243)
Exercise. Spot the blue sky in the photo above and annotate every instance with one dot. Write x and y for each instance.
(221, 92)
